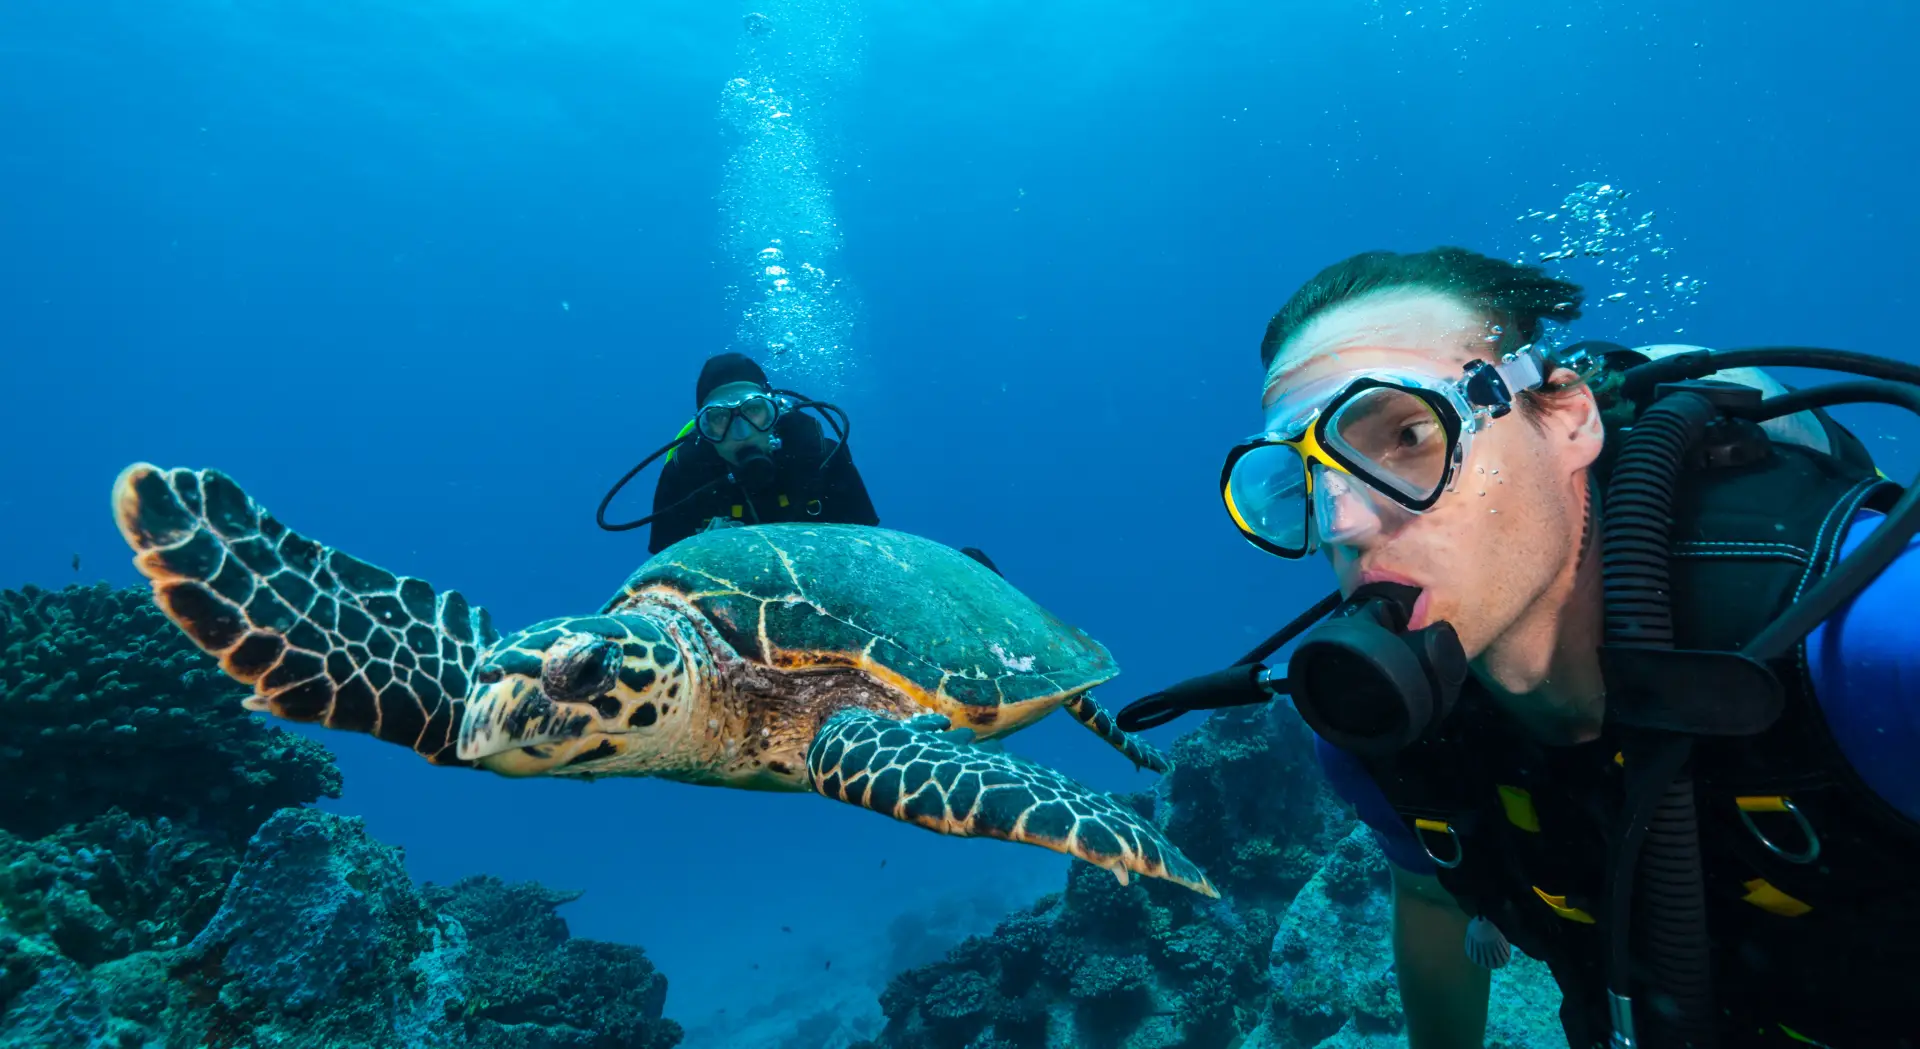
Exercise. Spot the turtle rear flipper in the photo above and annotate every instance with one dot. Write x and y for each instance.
(919, 775)
(1090, 713)
(321, 636)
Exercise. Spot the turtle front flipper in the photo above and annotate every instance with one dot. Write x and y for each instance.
(321, 636)
(916, 774)
(1096, 717)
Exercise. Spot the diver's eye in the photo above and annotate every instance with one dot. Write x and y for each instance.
(581, 671)
(1415, 434)
(489, 674)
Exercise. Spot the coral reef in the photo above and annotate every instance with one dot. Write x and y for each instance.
(1294, 956)
(524, 973)
(161, 884)
(106, 705)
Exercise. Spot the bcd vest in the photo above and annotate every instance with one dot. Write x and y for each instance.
(1806, 947)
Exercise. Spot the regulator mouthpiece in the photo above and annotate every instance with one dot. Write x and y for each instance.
(1366, 684)
(754, 470)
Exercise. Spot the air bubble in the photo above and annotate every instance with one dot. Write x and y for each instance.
(1599, 241)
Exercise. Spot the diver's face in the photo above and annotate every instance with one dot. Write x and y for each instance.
(1493, 544)
(740, 439)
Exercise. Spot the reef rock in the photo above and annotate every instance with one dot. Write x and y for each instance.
(1334, 985)
(528, 985)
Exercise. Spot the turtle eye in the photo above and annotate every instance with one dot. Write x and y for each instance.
(581, 671)
(489, 674)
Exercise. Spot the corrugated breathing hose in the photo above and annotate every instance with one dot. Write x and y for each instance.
(1662, 825)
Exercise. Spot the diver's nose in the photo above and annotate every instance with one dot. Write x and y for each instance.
(1344, 508)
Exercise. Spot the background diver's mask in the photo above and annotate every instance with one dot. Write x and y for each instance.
(739, 418)
(1400, 434)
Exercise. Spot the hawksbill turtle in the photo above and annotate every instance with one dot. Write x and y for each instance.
(860, 663)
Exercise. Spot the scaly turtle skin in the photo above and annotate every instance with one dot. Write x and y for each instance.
(854, 662)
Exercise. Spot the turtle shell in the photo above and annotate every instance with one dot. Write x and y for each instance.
(921, 616)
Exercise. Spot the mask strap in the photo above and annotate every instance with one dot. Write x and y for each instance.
(1523, 369)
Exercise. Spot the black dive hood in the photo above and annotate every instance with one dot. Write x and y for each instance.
(1360, 679)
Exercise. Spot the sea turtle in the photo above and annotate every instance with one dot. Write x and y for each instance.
(857, 662)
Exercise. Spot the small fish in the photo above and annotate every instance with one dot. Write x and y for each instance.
(786, 928)
(829, 964)
(76, 562)
(883, 863)
(756, 965)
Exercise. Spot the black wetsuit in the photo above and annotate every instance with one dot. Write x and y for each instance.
(800, 490)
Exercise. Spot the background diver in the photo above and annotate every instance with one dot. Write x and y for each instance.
(751, 455)
(1510, 711)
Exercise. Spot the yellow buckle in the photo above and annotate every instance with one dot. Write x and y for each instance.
(1519, 806)
(1762, 894)
(1559, 905)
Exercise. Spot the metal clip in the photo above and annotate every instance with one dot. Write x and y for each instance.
(1620, 1011)
(1749, 805)
(1459, 853)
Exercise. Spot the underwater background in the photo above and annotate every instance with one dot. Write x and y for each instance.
(425, 278)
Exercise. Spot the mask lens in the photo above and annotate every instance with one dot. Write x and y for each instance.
(739, 420)
(1394, 439)
(758, 411)
(1267, 490)
(1345, 509)
(714, 419)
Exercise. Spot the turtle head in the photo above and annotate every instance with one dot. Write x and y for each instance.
(586, 695)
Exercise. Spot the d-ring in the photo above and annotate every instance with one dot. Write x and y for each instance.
(1459, 853)
(1779, 804)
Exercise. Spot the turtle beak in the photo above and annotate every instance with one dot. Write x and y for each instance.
(512, 715)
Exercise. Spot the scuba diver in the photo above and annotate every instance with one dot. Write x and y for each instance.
(751, 456)
(1621, 670)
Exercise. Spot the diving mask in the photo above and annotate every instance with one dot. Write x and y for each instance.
(1400, 434)
(740, 418)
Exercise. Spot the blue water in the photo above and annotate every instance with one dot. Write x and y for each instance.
(425, 278)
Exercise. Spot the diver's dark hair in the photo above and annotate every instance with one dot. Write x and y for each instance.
(1514, 295)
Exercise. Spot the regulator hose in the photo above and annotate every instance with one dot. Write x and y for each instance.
(1662, 831)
